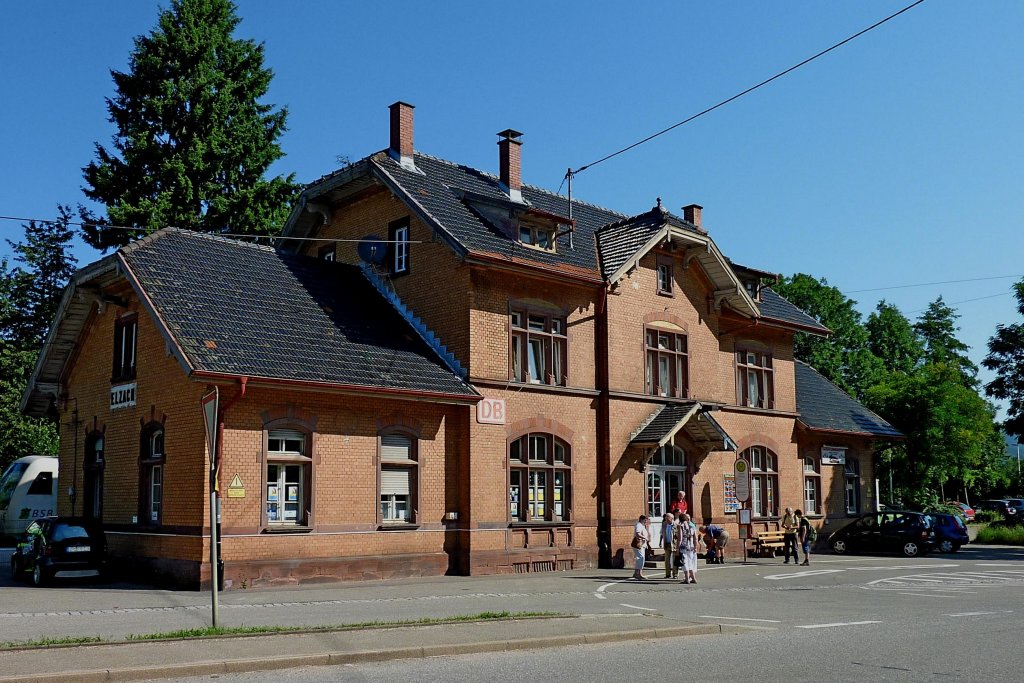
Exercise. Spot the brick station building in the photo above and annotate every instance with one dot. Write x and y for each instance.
(443, 371)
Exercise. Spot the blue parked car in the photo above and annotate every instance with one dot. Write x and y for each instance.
(950, 532)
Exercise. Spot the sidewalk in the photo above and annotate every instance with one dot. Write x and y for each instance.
(133, 661)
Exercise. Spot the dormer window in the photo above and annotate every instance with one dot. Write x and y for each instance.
(542, 237)
(752, 288)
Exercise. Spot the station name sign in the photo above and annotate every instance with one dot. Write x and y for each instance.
(122, 396)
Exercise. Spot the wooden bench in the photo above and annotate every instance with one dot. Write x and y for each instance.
(767, 542)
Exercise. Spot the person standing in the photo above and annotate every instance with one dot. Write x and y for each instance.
(679, 506)
(789, 530)
(688, 548)
(641, 539)
(671, 543)
(804, 533)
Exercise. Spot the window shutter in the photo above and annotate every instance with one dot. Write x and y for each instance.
(395, 448)
(286, 434)
(394, 482)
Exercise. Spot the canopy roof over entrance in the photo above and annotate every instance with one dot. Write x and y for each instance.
(691, 416)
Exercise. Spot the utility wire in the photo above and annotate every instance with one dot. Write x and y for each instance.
(927, 284)
(105, 226)
(751, 89)
(965, 301)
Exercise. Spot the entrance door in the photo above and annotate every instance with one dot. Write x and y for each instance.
(666, 474)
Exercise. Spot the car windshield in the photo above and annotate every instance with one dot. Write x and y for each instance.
(67, 532)
(9, 482)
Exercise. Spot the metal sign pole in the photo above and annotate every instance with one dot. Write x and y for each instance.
(210, 407)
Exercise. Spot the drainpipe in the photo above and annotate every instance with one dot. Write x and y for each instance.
(604, 511)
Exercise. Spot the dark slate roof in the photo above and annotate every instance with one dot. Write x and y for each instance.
(619, 241)
(776, 307)
(438, 186)
(667, 417)
(249, 310)
(823, 405)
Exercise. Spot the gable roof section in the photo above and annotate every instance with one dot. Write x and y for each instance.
(692, 416)
(244, 310)
(824, 406)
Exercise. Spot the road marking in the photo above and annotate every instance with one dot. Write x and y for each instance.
(969, 614)
(770, 621)
(840, 623)
(926, 595)
(797, 575)
(646, 609)
(998, 564)
(904, 566)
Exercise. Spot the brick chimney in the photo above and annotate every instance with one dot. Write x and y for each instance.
(401, 134)
(510, 163)
(691, 214)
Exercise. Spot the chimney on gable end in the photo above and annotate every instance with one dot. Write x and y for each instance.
(691, 214)
(401, 134)
(510, 163)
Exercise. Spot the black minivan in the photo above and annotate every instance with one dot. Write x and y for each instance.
(911, 533)
(60, 546)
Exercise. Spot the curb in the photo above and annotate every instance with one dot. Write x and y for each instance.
(335, 658)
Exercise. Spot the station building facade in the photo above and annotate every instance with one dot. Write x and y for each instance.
(439, 371)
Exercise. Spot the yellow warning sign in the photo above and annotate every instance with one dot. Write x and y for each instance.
(236, 489)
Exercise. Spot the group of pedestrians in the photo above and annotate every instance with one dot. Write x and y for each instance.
(682, 540)
(796, 529)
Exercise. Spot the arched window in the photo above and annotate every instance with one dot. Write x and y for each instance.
(764, 481)
(540, 479)
(399, 478)
(151, 474)
(92, 501)
(812, 486)
(289, 471)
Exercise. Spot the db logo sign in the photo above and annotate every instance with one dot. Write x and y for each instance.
(491, 411)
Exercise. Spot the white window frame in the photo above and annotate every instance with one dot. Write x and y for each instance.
(288, 451)
(399, 459)
(401, 250)
(812, 486)
(764, 481)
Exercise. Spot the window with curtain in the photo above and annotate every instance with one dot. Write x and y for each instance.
(666, 370)
(539, 346)
(764, 481)
(755, 381)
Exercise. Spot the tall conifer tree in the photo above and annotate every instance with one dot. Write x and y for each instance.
(194, 139)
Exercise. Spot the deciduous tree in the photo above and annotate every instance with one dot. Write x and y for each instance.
(1006, 358)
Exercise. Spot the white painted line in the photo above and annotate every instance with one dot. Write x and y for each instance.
(927, 595)
(798, 575)
(840, 623)
(968, 614)
(903, 566)
(646, 609)
(600, 596)
(770, 621)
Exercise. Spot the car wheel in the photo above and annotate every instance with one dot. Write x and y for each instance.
(911, 549)
(39, 576)
(839, 547)
(946, 546)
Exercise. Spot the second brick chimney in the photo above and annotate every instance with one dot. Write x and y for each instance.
(401, 134)
(510, 163)
(691, 214)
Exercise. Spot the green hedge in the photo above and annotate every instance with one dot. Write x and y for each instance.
(1001, 535)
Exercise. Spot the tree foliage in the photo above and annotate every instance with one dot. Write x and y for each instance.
(891, 338)
(1006, 358)
(937, 329)
(30, 293)
(193, 141)
(843, 357)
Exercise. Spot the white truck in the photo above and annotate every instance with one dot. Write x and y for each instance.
(28, 491)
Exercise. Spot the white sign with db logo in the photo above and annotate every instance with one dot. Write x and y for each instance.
(491, 411)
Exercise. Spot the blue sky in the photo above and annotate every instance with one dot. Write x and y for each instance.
(894, 160)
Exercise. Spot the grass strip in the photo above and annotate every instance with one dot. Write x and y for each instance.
(229, 631)
(1001, 535)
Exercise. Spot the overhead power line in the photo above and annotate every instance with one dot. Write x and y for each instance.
(928, 284)
(572, 172)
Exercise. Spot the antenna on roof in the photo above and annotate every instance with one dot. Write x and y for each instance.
(568, 176)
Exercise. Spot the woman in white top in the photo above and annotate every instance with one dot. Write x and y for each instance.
(641, 539)
(688, 549)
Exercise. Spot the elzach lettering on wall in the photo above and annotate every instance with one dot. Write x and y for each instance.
(122, 396)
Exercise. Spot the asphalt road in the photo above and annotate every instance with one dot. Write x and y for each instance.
(954, 617)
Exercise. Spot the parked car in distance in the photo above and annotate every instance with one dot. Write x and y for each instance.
(1017, 504)
(60, 546)
(998, 505)
(950, 532)
(968, 510)
(911, 533)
